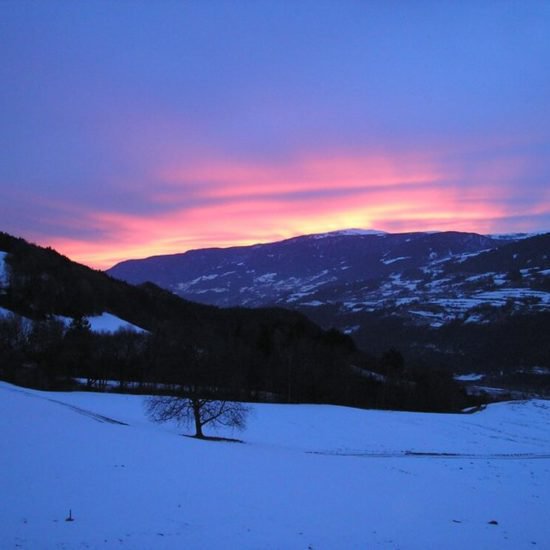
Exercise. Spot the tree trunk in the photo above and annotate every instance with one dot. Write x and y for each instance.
(197, 416)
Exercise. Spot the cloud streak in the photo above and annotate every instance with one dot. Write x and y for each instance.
(218, 203)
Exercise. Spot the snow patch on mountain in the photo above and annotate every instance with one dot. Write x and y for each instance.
(503, 295)
(313, 303)
(215, 290)
(349, 232)
(5, 312)
(106, 322)
(3, 269)
(265, 278)
(515, 236)
(461, 258)
(472, 377)
(393, 260)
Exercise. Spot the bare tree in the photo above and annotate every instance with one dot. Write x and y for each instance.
(197, 411)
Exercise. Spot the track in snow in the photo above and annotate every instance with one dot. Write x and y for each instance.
(432, 455)
(79, 410)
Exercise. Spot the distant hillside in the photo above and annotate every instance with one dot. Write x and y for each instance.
(459, 300)
(445, 276)
(268, 353)
(299, 270)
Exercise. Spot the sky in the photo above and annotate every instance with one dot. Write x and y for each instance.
(135, 128)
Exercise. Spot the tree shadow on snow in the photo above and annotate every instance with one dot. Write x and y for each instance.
(214, 438)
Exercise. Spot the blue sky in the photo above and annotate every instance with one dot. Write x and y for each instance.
(137, 128)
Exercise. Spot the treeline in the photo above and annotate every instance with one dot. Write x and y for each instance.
(280, 364)
(510, 341)
(264, 354)
(43, 282)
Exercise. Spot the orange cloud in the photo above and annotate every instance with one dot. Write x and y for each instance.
(231, 179)
(227, 204)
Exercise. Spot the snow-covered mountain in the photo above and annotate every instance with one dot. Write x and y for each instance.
(426, 278)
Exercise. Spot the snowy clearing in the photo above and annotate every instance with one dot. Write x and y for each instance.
(307, 476)
(106, 322)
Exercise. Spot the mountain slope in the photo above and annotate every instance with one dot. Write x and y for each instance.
(277, 272)
(443, 275)
(458, 300)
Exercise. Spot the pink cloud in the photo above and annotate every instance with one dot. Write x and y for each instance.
(220, 203)
(232, 179)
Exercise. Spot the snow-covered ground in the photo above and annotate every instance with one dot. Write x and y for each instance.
(306, 476)
(106, 322)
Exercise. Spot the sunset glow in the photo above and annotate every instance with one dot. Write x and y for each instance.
(248, 213)
(154, 129)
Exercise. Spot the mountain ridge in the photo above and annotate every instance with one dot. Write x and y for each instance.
(460, 300)
(361, 270)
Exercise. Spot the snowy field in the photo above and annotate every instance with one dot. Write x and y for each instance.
(306, 477)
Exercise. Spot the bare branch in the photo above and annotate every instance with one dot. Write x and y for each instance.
(197, 411)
